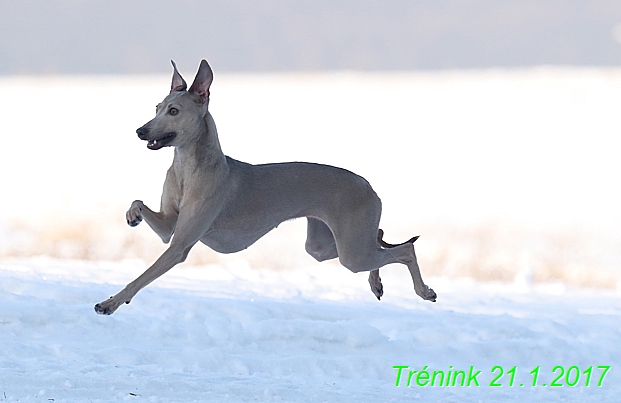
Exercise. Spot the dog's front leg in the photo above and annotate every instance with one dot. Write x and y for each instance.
(171, 257)
(189, 231)
(162, 223)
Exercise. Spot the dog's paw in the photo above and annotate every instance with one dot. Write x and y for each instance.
(134, 214)
(103, 310)
(108, 306)
(427, 294)
(135, 222)
(376, 284)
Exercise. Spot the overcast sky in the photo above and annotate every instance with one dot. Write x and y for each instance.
(141, 36)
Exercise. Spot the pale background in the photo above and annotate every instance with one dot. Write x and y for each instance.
(489, 128)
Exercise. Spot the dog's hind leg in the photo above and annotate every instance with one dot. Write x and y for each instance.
(376, 284)
(371, 259)
(360, 248)
(320, 242)
(321, 245)
(374, 278)
(404, 253)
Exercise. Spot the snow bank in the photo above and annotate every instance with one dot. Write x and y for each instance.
(507, 175)
(314, 334)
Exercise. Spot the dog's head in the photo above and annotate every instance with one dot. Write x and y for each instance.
(178, 118)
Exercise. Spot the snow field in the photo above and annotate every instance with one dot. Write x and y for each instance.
(508, 176)
(501, 172)
(313, 334)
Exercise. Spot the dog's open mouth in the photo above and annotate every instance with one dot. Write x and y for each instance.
(156, 144)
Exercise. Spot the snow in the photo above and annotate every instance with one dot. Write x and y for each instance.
(312, 334)
(499, 171)
(505, 174)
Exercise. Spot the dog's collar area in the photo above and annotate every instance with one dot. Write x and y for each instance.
(156, 144)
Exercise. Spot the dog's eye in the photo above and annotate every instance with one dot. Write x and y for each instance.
(173, 111)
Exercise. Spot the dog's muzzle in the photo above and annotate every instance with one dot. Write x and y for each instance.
(142, 132)
(155, 143)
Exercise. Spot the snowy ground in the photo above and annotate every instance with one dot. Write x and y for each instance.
(314, 334)
(506, 174)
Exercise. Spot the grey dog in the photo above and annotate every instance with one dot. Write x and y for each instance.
(228, 204)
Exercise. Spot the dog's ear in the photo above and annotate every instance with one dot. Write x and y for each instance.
(178, 83)
(202, 82)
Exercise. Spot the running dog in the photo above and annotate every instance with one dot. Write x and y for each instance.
(228, 204)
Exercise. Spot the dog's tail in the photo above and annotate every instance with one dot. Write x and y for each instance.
(380, 235)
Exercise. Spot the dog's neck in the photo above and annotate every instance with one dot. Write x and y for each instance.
(203, 154)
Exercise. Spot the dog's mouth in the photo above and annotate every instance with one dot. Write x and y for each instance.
(156, 144)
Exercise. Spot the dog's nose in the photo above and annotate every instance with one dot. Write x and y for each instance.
(142, 132)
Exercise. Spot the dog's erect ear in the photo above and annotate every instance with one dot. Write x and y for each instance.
(202, 82)
(178, 83)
